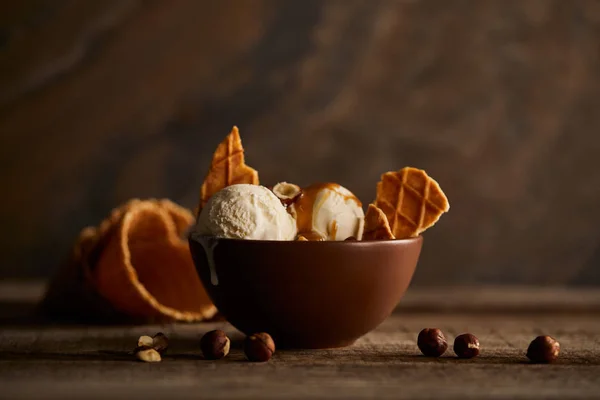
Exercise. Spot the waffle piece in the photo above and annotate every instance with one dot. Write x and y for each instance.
(411, 200)
(134, 267)
(377, 226)
(227, 168)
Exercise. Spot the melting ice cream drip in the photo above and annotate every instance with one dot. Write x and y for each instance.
(209, 244)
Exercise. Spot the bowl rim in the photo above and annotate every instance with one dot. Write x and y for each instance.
(196, 237)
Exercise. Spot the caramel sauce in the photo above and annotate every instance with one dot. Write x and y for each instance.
(313, 236)
(304, 206)
(333, 229)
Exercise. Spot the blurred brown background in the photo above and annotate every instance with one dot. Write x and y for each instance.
(101, 101)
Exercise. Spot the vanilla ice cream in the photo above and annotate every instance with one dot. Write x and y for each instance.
(328, 211)
(246, 211)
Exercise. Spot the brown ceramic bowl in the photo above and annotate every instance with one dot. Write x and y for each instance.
(306, 294)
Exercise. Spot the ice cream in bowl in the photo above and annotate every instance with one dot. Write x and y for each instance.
(308, 265)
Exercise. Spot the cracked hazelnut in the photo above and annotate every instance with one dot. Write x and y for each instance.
(259, 347)
(543, 349)
(287, 192)
(158, 342)
(215, 345)
(466, 346)
(145, 341)
(147, 354)
(432, 342)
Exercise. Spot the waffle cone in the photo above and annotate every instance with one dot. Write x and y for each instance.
(411, 200)
(377, 226)
(133, 267)
(71, 294)
(228, 167)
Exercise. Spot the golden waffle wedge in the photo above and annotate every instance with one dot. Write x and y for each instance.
(411, 200)
(227, 168)
(377, 226)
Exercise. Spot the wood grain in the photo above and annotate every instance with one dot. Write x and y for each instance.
(18, 300)
(95, 362)
(70, 361)
(104, 101)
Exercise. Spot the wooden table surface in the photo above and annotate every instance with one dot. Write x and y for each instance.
(55, 361)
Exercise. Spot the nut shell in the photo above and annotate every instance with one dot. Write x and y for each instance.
(160, 342)
(286, 192)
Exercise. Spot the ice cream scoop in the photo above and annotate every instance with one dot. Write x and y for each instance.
(328, 211)
(246, 211)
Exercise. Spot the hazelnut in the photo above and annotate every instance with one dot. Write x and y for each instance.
(466, 346)
(145, 341)
(543, 349)
(160, 342)
(147, 354)
(287, 193)
(432, 342)
(350, 239)
(215, 345)
(259, 347)
(301, 238)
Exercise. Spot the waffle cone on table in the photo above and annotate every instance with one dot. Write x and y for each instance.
(228, 167)
(411, 200)
(377, 226)
(135, 267)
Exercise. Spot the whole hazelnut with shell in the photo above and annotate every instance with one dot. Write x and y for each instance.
(215, 345)
(466, 346)
(543, 349)
(259, 347)
(432, 342)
